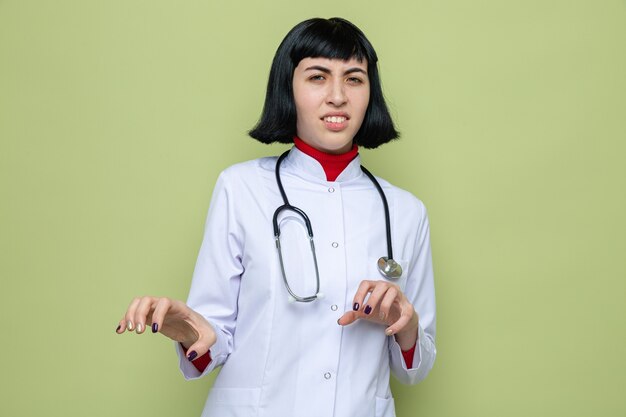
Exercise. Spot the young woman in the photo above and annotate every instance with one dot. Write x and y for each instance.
(314, 280)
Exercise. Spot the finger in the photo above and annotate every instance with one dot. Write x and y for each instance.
(141, 313)
(359, 297)
(130, 314)
(196, 350)
(378, 292)
(121, 326)
(405, 317)
(349, 317)
(160, 310)
(201, 346)
(386, 303)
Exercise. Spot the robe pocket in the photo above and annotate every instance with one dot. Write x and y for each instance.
(375, 274)
(235, 396)
(385, 407)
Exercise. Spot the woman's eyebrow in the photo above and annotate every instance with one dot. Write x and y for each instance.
(355, 69)
(328, 71)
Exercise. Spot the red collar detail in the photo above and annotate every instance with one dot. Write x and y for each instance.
(332, 164)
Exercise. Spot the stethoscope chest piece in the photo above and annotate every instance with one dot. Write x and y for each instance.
(389, 268)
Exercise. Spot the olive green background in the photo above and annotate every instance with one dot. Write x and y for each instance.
(117, 116)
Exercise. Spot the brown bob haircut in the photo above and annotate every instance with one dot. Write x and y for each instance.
(333, 38)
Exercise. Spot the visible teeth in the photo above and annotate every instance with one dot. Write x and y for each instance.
(335, 119)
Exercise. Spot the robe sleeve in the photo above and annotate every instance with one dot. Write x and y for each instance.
(420, 291)
(216, 279)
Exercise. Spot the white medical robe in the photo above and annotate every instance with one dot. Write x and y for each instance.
(282, 359)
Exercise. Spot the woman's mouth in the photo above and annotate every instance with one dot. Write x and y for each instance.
(335, 123)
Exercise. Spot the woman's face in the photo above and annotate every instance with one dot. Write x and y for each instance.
(331, 97)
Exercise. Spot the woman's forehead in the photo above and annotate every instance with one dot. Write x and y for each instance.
(332, 63)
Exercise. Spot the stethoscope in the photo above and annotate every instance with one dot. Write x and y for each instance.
(389, 268)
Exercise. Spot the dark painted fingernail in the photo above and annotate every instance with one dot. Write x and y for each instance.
(355, 307)
(338, 322)
(367, 310)
(155, 327)
(119, 326)
(192, 355)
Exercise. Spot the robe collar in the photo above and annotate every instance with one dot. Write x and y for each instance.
(307, 167)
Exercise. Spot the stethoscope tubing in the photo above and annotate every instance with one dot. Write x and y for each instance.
(386, 206)
(386, 262)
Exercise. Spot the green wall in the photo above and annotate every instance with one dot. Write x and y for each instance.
(117, 116)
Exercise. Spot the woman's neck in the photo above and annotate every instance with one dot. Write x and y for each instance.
(333, 164)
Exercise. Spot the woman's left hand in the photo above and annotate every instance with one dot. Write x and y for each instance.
(386, 305)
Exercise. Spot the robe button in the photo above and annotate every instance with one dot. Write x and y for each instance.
(331, 190)
(327, 375)
(334, 307)
(335, 245)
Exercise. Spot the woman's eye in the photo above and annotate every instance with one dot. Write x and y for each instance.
(355, 80)
(316, 78)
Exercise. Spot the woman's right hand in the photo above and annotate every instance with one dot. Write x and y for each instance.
(174, 319)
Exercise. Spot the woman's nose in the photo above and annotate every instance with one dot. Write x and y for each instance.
(336, 94)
